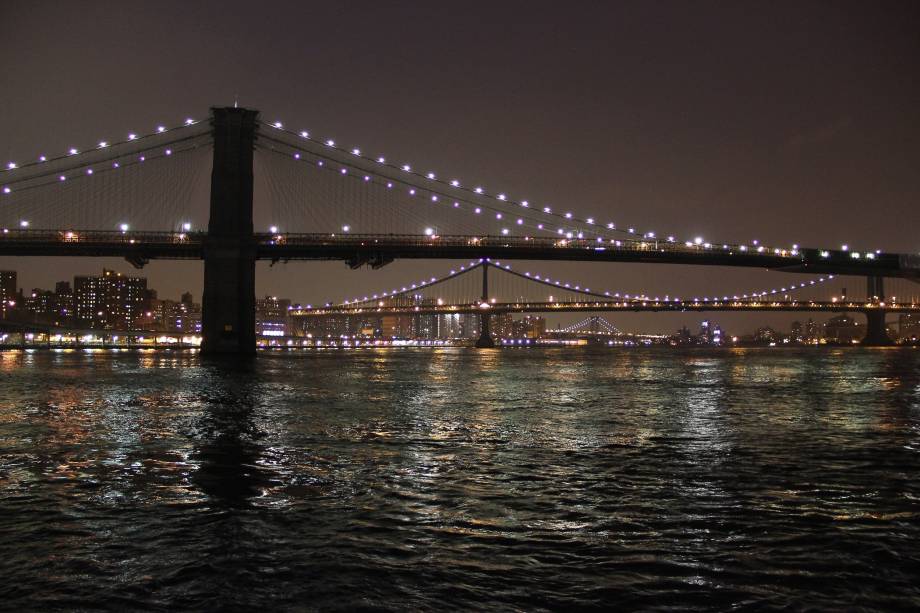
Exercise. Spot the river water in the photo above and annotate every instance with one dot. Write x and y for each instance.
(426, 479)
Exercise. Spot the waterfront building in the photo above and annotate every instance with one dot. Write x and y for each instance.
(842, 329)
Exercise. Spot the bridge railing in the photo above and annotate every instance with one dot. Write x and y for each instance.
(417, 240)
(100, 236)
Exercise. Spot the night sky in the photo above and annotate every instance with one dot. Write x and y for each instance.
(787, 122)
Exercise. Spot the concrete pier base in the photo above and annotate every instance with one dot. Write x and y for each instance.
(485, 337)
(876, 334)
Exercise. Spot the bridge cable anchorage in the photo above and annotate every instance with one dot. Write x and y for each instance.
(296, 142)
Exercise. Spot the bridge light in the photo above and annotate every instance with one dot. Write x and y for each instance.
(498, 216)
(23, 224)
(344, 171)
(505, 231)
(278, 125)
(455, 183)
(525, 204)
(186, 226)
(412, 192)
(11, 165)
(520, 222)
(568, 216)
(273, 229)
(477, 210)
(407, 168)
(161, 129)
(304, 134)
(132, 136)
(346, 228)
(539, 226)
(430, 175)
(123, 227)
(698, 240)
(478, 190)
(189, 121)
(456, 205)
(356, 151)
(103, 144)
(546, 209)
(73, 151)
(844, 247)
(168, 152)
(611, 226)
(501, 196)
(296, 156)
(330, 143)
(62, 178)
(429, 231)
(590, 220)
(6, 190)
(89, 171)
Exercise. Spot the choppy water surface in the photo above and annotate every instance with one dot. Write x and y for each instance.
(431, 479)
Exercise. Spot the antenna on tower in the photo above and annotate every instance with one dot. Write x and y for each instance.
(235, 99)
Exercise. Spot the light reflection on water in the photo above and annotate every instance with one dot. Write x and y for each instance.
(459, 478)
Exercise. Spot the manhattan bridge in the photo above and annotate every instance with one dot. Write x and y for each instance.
(329, 202)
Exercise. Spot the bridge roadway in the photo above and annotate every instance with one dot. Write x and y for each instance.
(377, 250)
(626, 306)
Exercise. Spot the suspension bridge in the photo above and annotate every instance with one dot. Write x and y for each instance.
(146, 197)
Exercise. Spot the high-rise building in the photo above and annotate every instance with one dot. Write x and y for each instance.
(812, 334)
(111, 301)
(7, 291)
(842, 329)
(531, 326)
(909, 327)
(272, 317)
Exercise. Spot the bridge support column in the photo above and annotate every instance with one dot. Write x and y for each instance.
(228, 302)
(485, 336)
(876, 333)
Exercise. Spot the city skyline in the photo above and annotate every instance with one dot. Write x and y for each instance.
(117, 301)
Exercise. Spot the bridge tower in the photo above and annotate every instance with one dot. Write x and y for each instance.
(228, 302)
(485, 337)
(876, 334)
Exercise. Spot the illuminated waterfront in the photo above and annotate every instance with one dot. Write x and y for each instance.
(547, 478)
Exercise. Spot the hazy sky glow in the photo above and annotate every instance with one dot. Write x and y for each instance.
(788, 122)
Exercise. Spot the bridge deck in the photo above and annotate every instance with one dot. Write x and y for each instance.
(139, 247)
(626, 307)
